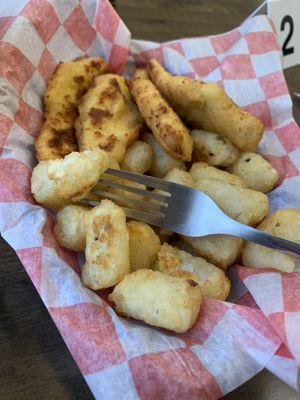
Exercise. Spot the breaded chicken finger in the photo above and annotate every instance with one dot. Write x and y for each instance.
(165, 124)
(207, 106)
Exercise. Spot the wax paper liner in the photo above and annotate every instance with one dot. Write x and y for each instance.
(123, 359)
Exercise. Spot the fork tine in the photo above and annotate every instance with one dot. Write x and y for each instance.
(148, 205)
(143, 216)
(154, 183)
(127, 188)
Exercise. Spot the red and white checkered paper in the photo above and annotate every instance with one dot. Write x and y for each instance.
(124, 359)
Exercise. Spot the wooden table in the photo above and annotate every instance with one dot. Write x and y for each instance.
(35, 363)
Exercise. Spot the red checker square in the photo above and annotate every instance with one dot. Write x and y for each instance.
(175, 46)
(15, 67)
(237, 67)
(5, 23)
(16, 182)
(90, 335)
(46, 65)
(261, 42)
(244, 272)
(247, 300)
(117, 58)
(79, 28)
(257, 320)
(283, 351)
(144, 56)
(284, 166)
(210, 314)
(49, 240)
(224, 42)
(173, 374)
(291, 291)
(43, 17)
(273, 84)
(204, 65)
(5, 126)
(289, 136)
(28, 118)
(262, 111)
(106, 21)
(277, 321)
(31, 259)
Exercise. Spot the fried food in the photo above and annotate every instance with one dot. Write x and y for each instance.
(257, 172)
(159, 299)
(212, 280)
(282, 223)
(69, 82)
(56, 183)
(244, 205)
(138, 158)
(201, 170)
(213, 149)
(107, 247)
(70, 227)
(181, 177)
(144, 244)
(162, 162)
(165, 124)
(220, 250)
(206, 106)
(108, 118)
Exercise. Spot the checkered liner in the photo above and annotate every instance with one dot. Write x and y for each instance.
(123, 359)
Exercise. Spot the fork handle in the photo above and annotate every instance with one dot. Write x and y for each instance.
(260, 237)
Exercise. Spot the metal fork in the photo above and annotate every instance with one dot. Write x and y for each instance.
(179, 209)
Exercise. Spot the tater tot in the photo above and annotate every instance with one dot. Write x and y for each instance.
(213, 149)
(56, 183)
(70, 227)
(138, 158)
(162, 162)
(244, 205)
(179, 176)
(107, 247)
(158, 299)
(165, 124)
(282, 223)
(212, 280)
(220, 250)
(257, 172)
(201, 170)
(144, 244)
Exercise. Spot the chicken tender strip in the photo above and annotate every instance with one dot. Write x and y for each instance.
(107, 247)
(108, 118)
(69, 82)
(165, 124)
(212, 280)
(206, 106)
(158, 299)
(282, 223)
(56, 183)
